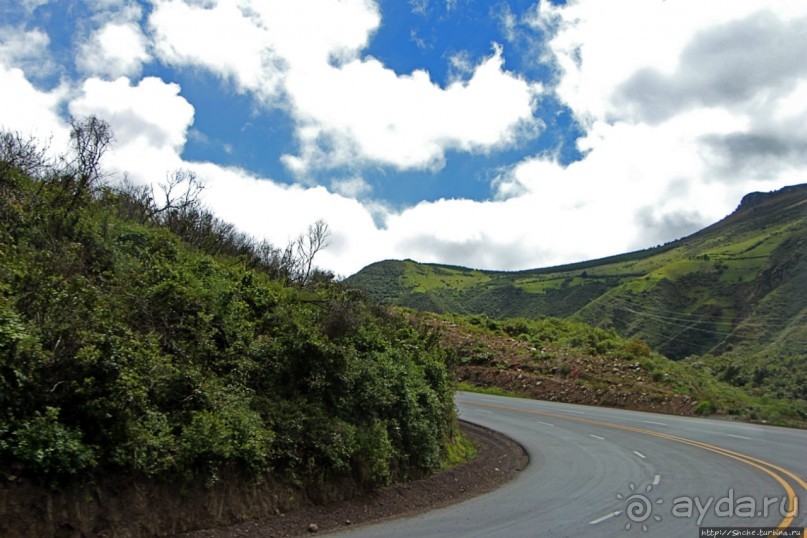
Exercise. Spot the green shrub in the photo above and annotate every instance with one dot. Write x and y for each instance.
(128, 347)
(705, 408)
(636, 348)
(50, 449)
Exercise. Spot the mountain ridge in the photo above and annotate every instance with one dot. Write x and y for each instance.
(733, 292)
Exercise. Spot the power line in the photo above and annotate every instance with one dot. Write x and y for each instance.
(683, 316)
(676, 322)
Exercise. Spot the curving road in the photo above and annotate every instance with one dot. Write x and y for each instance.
(608, 472)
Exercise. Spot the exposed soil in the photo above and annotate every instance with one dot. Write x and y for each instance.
(240, 506)
(635, 396)
(498, 460)
(563, 376)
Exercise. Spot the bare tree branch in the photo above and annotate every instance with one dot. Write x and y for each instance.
(90, 138)
(309, 245)
(190, 188)
(24, 154)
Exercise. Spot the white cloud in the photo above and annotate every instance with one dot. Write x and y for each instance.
(347, 109)
(280, 213)
(742, 63)
(686, 107)
(461, 66)
(116, 49)
(701, 45)
(26, 49)
(507, 20)
(150, 121)
(31, 5)
(419, 7)
(223, 38)
(353, 187)
(369, 113)
(657, 164)
(30, 111)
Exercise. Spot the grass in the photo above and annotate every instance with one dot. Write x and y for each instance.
(458, 451)
(491, 390)
(424, 278)
(538, 285)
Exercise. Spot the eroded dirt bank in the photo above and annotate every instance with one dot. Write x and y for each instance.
(237, 507)
(499, 459)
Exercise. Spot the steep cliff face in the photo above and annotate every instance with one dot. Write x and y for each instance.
(784, 196)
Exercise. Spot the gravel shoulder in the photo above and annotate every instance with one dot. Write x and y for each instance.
(499, 459)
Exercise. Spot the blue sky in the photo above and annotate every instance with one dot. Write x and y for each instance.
(500, 135)
(412, 36)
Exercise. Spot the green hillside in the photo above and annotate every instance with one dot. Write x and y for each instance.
(733, 294)
(148, 339)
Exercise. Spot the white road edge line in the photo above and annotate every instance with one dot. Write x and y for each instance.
(657, 480)
(740, 437)
(605, 517)
(544, 423)
(653, 422)
(640, 455)
(575, 412)
(597, 437)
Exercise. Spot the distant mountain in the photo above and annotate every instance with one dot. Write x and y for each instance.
(736, 290)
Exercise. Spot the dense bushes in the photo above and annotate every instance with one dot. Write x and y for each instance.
(125, 348)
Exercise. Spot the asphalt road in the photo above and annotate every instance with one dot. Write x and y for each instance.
(607, 472)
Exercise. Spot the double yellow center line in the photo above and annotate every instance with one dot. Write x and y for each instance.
(773, 470)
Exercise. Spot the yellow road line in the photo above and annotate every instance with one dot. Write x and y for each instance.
(749, 460)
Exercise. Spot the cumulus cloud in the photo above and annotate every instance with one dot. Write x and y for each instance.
(728, 65)
(114, 50)
(685, 107)
(222, 38)
(279, 213)
(306, 57)
(369, 113)
(30, 111)
(150, 121)
(26, 49)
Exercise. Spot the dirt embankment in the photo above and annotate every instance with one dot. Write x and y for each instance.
(498, 460)
(588, 379)
(138, 508)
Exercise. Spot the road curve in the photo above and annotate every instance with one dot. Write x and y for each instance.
(609, 472)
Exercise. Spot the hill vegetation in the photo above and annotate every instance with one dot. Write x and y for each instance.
(141, 336)
(568, 361)
(729, 299)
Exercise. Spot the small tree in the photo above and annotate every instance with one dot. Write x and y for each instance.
(89, 138)
(181, 192)
(24, 154)
(308, 245)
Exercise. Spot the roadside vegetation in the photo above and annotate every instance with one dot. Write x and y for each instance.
(556, 359)
(142, 336)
